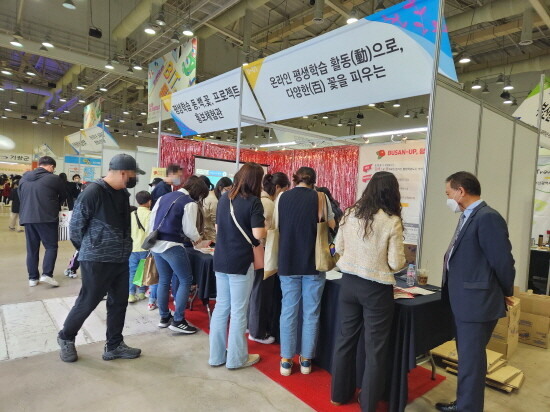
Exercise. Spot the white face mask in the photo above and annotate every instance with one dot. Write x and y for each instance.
(453, 205)
(176, 181)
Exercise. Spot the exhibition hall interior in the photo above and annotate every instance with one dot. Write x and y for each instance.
(275, 205)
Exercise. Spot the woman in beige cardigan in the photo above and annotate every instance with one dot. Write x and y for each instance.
(370, 243)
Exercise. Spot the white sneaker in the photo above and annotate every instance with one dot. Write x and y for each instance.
(49, 280)
(33, 282)
(267, 341)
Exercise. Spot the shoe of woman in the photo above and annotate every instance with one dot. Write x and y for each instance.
(286, 367)
(305, 366)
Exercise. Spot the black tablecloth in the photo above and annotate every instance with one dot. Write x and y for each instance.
(419, 325)
(538, 270)
(202, 266)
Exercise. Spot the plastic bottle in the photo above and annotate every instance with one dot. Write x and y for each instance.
(411, 275)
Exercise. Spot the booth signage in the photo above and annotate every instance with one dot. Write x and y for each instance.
(528, 111)
(168, 74)
(541, 213)
(212, 105)
(382, 57)
(11, 157)
(406, 162)
(43, 150)
(91, 140)
(88, 167)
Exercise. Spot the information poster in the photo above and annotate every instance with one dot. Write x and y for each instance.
(541, 213)
(168, 74)
(89, 168)
(406, 162)
(158, 172)
(92, 114)
(382, 57)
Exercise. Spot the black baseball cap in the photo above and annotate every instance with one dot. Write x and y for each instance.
(125, 162)
(155, 181)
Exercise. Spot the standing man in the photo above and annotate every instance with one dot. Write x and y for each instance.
(41, 194)
(100, 231)
(478, 282)
(173, 177)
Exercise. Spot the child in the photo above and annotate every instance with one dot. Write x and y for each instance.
(14, 215)
(140, 230)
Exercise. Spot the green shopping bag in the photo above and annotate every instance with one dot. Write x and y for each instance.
(138, 277)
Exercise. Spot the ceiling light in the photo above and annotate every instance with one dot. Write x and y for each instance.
(50, 110)
(4, 116)
(396, 104)
(465, 59)
(324, 116)
(500, 79)
(407, 114)
(421, 112)
(140, 131)
(7, 109)
(187, 30)
(360, 115)
(62, 99)
(381, 105)
(350, 123)
(155, 128)
(390, 132)
(454, 50)
(278, 144)
(41, 116)
(125, 111)
(485, 90)
(149, 29)
(125, 134)
(476, 84)
(68, 4)
(505, 95)
(12, 102)
(1, 89)
(56, 117)
(169, 129)
(340, 123)
(379, 6)
(256, 136)
(15, 42)
(305, 117)
(143, 114)
(81, 101)
(415, 115)
(109, 65)
(372, 104)
(367, 141)
(175, 38)
(358, 124)
(66, 111)
(137, 66)
(47, 42)
(35, 121)
(508, 85)
(102, 89)
(507, 101)
(19, 89)
(228, 139)
(6, 72)
(32, 74)
(107, 120)
(80, 87)
(514, 102)
(352, 17)
(160, 19)
(122, 120)
(47, 122)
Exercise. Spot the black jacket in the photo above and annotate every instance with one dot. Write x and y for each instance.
(15, 203)
(41, 194)
(99, 229)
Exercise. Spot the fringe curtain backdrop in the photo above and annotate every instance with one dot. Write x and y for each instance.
(336, 167)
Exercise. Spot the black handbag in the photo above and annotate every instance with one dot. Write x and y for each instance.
(151, 239)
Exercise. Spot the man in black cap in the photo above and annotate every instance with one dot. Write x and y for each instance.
(100, 231)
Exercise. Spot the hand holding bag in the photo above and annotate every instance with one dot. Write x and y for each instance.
(324, 261)
(259, 251)
(271, 261)
(152, 237)
(64, 223)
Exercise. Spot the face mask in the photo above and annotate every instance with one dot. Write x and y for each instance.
(176, 181)
(453, 205)
(131, 183)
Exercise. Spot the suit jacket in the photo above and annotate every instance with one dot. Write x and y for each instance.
(481, 268)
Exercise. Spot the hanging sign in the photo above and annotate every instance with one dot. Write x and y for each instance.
(43, 150)
(168, 74)
(212, 105)
(382, 57)
(11, 157)
(93, 139)
(406, 162)
(528, 111)
(92, 114)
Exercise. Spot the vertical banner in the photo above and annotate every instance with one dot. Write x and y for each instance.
(528, 111)
(406, 162)
(541, 213)
(170, 73)
(92, 114)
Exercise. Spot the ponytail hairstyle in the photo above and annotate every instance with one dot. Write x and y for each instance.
(271, 181)
(206, 180)
(305, 175)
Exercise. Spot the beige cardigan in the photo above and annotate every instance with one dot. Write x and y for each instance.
(210, 207)
(375, 257)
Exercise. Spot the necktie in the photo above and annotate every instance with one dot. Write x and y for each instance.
(455, 237)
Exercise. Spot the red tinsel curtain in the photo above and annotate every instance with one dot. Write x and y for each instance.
(336, 167)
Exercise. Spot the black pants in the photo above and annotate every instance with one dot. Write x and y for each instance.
(48, 235)
(260, 308)
(369, 305)
(471, 340)
(99, 278)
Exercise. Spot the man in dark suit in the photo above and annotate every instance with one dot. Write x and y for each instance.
(478, 282)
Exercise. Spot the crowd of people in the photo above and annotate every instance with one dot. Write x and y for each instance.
(234, 216)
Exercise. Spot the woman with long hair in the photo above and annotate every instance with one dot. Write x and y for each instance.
(224, 185)
(260, 311)
(370, 244)
(240, 225)
(298, 217)
(210, 204)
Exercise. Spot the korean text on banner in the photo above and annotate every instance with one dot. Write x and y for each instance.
(212, 105)
(92, 140)
(406, 162)
(12, 157)
(382, 57)
(528, 111)
(92, 114)
(541, 214)
(168, 74)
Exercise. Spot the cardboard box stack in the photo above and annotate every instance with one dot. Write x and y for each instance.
(506, 333)
(500, 375)
(534, 320)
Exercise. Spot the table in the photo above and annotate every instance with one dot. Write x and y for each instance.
(539, 271)
(419, 324)
(202, 267)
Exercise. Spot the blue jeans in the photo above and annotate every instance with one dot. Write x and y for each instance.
(233, 294)
(135, 257)
(173, 261)
(309, 289)
(153, 293)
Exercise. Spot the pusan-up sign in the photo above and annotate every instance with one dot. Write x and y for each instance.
(92, 140)
(386, 56)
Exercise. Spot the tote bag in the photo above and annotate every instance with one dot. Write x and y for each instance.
(150, 273)
(138, 276)
(271, 260)
(324, 261)
(64, 223)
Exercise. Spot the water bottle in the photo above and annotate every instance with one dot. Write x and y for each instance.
(411, 276)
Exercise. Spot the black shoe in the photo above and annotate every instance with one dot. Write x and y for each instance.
(165, 322)
(121, 352)
(446, 407)
(182, 327)
(68, 350)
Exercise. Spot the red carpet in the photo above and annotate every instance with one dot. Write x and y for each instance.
(312, 389)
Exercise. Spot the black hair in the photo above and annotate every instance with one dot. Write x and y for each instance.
(63, 176)
(47, 161)
(222, 183)
(172, 169)
(197, 188)
(271, 181)
(77, 175)
(333, 202)
(467, 181)
(206, 180)
(143, 197)
(305, 175)
(382, 192)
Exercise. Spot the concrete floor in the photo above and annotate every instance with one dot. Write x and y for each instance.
(172, 373)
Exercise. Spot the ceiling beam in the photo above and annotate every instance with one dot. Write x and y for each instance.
(338, 8)
(542, 11)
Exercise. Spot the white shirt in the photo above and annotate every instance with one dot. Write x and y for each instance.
(188, 224)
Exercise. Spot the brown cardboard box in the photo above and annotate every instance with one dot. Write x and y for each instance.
(506, 349)
(505, 335)
(534, 323)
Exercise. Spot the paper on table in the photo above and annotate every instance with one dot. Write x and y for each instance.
(415, 290)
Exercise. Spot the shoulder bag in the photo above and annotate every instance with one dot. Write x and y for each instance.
(151, 239)
(324, 261)
(259, 251)
(272, 244)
